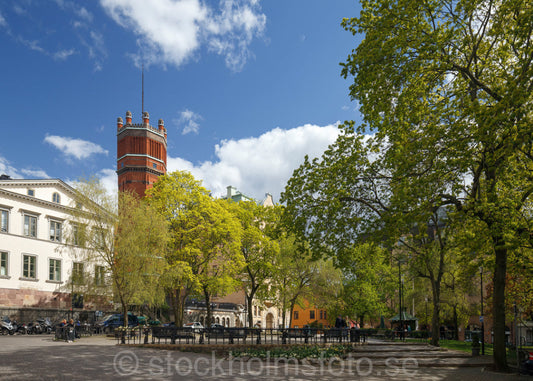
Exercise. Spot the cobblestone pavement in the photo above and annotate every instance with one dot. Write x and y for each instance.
(99, 358)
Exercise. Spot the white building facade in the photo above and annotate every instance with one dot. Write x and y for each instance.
(35, 263)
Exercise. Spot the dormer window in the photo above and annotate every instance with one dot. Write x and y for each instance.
(56, 198)
(31, 192)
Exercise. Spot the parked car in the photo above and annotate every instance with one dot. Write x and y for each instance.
(110, 322)
(196, 326)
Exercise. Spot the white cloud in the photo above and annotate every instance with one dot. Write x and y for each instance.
(172, 31)
(3, 21)
(109, 179)
(7, 169)
(84, 14)
(189, 120)
(35, 173)
(18, 9)
(63, 54)
(259, 165)
(77, 148)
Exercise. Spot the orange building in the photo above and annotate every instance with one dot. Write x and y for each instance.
(308, 314)
(141, 153)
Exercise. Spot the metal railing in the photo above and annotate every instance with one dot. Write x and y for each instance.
(229, 336)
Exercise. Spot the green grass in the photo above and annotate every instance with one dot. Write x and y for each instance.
(464, 346)
(467, 347)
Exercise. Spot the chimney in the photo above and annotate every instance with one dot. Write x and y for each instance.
(120, 123)
(146, 118)
(128, 118)
(231, 191)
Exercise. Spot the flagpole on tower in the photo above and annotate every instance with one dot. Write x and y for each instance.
(142, 106)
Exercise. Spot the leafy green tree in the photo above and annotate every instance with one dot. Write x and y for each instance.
(127, 239)
(204, 253)
(259, 249)
(175, 196)
(349, 197)
(300, 278)
(447, 85)
(368, 283)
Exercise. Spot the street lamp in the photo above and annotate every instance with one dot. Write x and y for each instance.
(400, 295)
(427, 330)
(482, 318)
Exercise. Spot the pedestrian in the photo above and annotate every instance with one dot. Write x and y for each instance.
(338, 322)
(70, 331)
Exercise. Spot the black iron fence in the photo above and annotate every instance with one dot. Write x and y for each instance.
(249, 336)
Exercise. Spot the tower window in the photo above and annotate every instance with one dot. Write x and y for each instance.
(154, 165)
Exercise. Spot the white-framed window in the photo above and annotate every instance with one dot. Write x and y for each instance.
(29, 266)
(4, 221)
(77, 273)
(56, 198)
(54, 272)
(4, 263)
(78, 234)
(31, 192)
(99, 238)
(99, 275)
(55, 231)
(30, 225)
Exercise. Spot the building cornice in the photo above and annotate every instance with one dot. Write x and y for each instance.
(36, 201)
(140, 127)
(142, 155)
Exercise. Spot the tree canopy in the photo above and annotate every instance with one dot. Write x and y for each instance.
(445, 89)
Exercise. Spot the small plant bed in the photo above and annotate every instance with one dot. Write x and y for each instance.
(299, 352)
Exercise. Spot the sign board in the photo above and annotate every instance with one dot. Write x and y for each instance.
(481, 319)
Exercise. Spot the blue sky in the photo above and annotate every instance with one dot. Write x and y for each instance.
(246, 88)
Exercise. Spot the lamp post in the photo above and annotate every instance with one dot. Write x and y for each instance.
(400, 295)
(482, 318)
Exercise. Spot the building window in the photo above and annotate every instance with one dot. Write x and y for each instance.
(55, 270)
(312, 314)
(154, 165)
(99, 274)
(78, 234)
(295, 315)
(4, 263)
(321, 313)
(31, 192)
(29, 264)
(30, 226)
(4, 220)
(56, 198)
(77, 273)
(55, 231)
(99, 238)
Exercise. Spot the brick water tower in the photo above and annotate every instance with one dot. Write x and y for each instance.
(141, 153)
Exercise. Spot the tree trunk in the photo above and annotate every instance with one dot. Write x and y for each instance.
(125, 312)
(249, 302)
(209, 313)
(435, 319)
(178, 297)
(455, 323)
(498, 308)
(293, 302)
